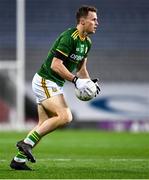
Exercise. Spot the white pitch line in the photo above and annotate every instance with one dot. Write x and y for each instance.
(52, 159)
(90, 160)
(124, 160)
(87, 160)
(63, 159)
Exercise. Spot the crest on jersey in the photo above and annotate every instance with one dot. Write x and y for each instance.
(82, 48)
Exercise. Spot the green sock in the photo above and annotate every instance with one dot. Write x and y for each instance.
(32, 139)
(20, 157)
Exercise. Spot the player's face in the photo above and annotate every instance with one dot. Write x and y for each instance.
(90, 23)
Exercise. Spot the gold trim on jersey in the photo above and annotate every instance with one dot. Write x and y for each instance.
(43, 83)
(75, 34)
(76, 31)
(82, 38)
(62, 52)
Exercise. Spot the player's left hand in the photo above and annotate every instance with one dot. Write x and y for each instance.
(97, 86)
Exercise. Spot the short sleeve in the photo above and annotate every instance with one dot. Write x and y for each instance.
(65, 45)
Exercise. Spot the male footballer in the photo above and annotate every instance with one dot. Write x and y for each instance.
(67, 54)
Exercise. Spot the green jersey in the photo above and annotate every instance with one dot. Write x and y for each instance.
(71, 49)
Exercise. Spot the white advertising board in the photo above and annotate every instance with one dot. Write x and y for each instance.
(117, 101)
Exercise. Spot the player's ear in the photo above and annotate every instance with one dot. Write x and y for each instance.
(82, 21)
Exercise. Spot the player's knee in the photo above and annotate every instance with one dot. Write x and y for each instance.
(66, 116)
(69, 117)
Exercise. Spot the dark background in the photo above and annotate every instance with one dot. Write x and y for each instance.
(120, 46)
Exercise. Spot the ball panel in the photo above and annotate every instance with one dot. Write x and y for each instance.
(86, 93)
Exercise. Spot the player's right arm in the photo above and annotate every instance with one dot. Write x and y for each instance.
(58, 67)
(61, 70)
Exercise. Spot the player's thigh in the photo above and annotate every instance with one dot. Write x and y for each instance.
(57, 105)
(42, 114)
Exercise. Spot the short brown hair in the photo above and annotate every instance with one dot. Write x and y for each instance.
(83, 12)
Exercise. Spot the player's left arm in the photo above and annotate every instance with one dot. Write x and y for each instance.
(82, 71)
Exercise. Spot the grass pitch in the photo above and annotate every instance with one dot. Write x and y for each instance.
(80, 154)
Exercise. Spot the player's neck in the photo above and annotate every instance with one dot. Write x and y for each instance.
(82, 33)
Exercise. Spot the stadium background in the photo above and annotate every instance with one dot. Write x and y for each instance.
(119, 58)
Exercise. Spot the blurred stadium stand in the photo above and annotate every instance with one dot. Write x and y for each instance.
(120, 45)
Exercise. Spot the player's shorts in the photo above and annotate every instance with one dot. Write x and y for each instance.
(44, 89)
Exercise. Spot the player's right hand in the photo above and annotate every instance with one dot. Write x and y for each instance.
(79, 83)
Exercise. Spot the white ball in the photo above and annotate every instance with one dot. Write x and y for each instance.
(86, 93)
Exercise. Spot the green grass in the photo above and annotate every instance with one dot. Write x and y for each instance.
(80, 154)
